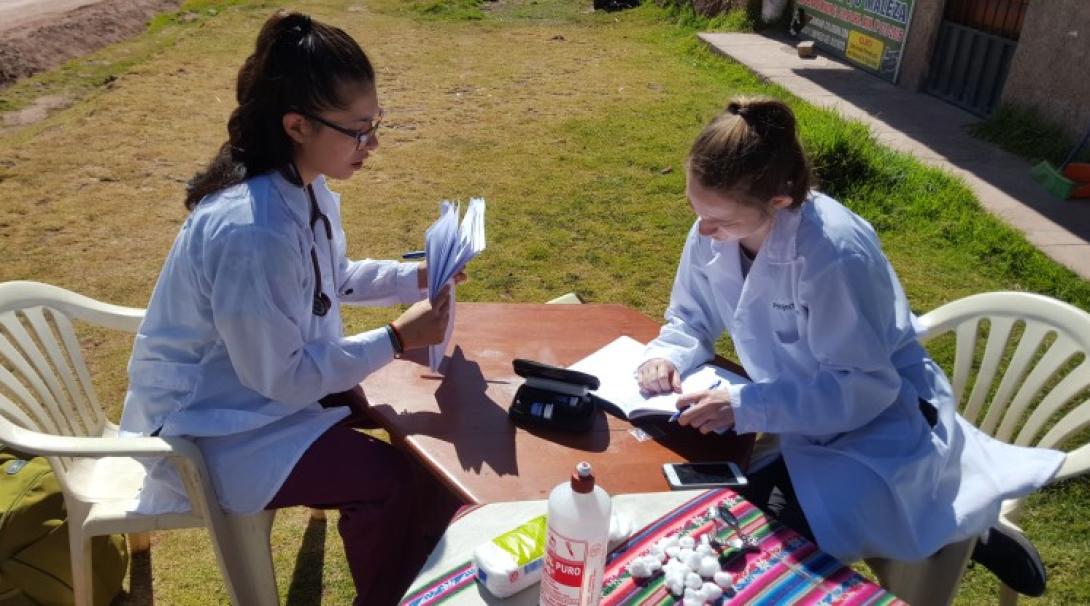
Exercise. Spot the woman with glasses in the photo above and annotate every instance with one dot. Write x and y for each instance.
(242, 347)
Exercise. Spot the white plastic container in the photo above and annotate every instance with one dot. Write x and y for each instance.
(576, 542)
(512, 561)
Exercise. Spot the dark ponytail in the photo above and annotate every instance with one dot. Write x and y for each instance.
(752, 144)
(297, 65)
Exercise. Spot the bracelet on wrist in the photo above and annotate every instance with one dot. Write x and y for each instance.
(395, 339)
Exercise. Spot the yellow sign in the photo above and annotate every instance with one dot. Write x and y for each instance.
(864, 49)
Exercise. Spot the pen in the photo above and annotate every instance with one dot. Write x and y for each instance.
(414, 254)
(677, 415)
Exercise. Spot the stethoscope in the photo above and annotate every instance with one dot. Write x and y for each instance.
(321, 304)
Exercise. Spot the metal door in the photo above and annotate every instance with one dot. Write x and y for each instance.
(973, 52)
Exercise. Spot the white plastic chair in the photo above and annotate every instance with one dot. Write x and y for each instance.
(48, 407)
(1029, 391)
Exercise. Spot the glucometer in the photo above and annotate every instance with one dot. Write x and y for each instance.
(553, 397)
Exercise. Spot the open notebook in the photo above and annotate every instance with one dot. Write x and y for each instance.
(615, 366)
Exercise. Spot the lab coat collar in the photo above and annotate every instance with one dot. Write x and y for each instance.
(296, 198)
(778, 249)
(779, 246)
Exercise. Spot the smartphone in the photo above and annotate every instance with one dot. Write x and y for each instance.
(686, 476)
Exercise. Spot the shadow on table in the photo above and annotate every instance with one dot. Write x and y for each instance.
(465, 410)
(691, 445)
(596, 439)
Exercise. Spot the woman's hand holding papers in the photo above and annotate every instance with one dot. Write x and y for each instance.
(658, 375)
(707, 410)
(423, 323)
(422, 276)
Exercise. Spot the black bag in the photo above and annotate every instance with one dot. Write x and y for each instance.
(553, 397)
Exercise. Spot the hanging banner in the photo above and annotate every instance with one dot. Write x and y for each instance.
(868, 33)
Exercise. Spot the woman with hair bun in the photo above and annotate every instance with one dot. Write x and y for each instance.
(871, 458)
(242, 348)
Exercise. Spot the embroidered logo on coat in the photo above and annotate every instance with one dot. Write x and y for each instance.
(783, 306)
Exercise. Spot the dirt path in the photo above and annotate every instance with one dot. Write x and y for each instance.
(18, 13)
(39, 34)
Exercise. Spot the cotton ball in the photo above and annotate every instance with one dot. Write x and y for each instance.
(711, 591)
(694, 581)
(672, 540)
(708, 567)
(672, 551)
(735, 543)
(705, 550)
(723, 579)
(685, 554)
(663, 543)
(653, 564)
(675, 586)
(712, 512)
(672, 566)
(687, 542)
(692, 602)
(639, 569)
(657, 553)
(678, 568)
(694, 562)
(705, 539)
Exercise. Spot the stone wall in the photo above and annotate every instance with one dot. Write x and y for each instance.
(1050, 71)
(922, 34)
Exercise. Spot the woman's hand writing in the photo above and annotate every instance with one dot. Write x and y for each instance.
(707, 410)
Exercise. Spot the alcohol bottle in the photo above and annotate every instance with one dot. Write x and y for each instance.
(576, 541)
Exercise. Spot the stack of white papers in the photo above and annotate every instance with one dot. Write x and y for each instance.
(615, 366)
(448, 249)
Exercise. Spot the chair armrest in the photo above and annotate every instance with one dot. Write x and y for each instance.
(63, 446)
(23, 294)
(1076, 463)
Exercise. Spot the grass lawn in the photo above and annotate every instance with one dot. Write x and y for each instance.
(573, 125)
(1029, 135)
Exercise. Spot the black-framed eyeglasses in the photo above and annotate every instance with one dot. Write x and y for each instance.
(362, 136)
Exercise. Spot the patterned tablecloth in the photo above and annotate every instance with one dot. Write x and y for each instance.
(787, 568)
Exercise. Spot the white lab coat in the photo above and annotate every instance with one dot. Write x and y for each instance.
(823, 328)
(230, 353)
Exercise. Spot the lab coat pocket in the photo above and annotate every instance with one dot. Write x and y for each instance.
(785, 323)
(787, 335)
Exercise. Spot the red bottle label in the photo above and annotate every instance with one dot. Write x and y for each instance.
(565, 563)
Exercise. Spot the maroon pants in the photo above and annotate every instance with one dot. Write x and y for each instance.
(392, 511)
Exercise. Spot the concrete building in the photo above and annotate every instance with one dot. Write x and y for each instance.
(978, 54)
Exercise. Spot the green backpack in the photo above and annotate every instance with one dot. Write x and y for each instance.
(35, 568)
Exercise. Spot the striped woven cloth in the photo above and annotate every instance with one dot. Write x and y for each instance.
(788, 569)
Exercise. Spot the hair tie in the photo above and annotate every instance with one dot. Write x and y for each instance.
(301, 26)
